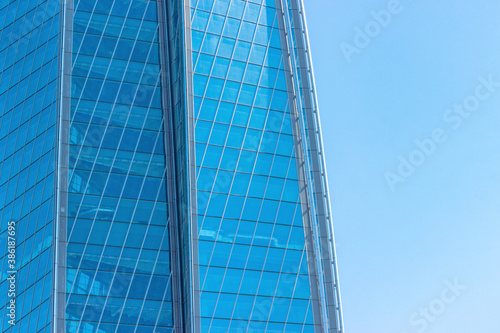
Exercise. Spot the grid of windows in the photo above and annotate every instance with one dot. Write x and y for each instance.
(252, 262)
(28, 72)
(118, 264)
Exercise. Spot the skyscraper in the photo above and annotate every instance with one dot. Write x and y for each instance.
(163, 166)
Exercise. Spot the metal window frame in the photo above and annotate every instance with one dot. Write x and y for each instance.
(61, 169)
(310, 162)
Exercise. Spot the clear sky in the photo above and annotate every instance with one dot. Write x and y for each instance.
(411, 125)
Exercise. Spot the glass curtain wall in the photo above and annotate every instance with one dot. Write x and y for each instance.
(118, 259)
(252, 259)
(28, 108)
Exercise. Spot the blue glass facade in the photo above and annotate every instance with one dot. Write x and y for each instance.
(163, 162)
(118, 260)
(252, 262)
(28, 103)
(261, 258)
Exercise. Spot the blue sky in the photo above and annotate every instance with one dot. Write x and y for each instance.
(423, 254)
